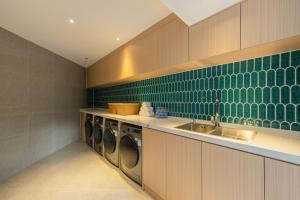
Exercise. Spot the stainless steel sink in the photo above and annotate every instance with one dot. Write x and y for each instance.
(233, 133)
(200, 128)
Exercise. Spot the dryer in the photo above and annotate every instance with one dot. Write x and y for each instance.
(98, 134)
(131, 151)
(89, 130)
(111, 141)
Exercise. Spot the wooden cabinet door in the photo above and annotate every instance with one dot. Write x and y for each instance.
(231, 175)
(216, 35)
(166, 46)
(172, 40)
(264, 21)
(82, 126)
(163, 45)
(154, 162)
(183, 169)
(282, 180)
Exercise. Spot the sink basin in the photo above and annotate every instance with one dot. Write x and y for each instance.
(200, 128)
(233, 133)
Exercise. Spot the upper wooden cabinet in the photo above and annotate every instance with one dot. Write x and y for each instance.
(215, 35)
(231, 175)
(269, 20)
(282, 180)
(163, 45)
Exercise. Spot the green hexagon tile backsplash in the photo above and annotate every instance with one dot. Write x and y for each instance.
(264, 91)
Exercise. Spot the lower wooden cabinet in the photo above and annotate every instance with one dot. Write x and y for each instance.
(231, 175)
(176, 168)
(82, 127)
(282, 180)
(183, 175)
(154, 163)
(171, 166)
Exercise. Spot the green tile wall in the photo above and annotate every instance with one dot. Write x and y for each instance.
(264, 91)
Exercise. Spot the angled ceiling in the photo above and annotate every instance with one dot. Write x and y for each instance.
(192, 11)
(97, 24)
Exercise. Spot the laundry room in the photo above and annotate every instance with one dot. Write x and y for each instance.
(150, 99)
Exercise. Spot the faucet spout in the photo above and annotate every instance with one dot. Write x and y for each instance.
(216, 119)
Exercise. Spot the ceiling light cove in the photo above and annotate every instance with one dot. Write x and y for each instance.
(72, 21)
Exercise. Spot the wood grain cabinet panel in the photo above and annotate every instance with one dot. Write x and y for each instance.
(154, 162)
(215, 35)
(264, 21)
(183, 168)
(161, 46)
(171, 166)
(282, 180)
(231, 175)
(82, 126)
(172, 44)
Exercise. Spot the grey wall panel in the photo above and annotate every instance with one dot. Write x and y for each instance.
(40, 97)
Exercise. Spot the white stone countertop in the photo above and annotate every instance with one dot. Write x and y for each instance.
(272, 143)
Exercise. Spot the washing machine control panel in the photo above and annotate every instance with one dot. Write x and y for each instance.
(98, 120)
(113, 124)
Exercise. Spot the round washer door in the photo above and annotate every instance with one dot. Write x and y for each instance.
(129, 151)
(88, 128)
(97, 132)
(109, 141)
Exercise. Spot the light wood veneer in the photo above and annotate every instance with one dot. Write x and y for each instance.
(171, 166)
(282, 180)
(265, 21)
(216, 35)
(184, 175)
(231, 175)
(163, 45)
(154, 162)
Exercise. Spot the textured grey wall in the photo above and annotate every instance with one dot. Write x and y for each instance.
(40, 97)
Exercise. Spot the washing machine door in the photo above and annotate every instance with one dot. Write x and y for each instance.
(88, 128)
(129, 151)
(97, 132)
(110, 142)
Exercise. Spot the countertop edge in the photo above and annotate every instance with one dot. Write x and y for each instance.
(241, 146)
(260, 151)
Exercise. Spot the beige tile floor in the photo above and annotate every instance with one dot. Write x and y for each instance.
(75, 172)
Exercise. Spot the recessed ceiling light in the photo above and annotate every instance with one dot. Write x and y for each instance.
(118, 39)
(71, 21)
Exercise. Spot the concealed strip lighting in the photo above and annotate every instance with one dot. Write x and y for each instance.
(71, 21)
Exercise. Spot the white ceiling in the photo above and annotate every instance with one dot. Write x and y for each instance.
(192, 11)
(97, 24)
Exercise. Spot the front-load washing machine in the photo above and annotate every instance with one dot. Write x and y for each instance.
(111, 141)
(98, 134)
(89, 130)
(131, 151)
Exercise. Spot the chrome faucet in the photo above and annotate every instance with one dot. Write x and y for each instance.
(193, 121)
(216, 119)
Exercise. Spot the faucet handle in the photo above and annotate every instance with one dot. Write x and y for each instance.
(217, 118)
